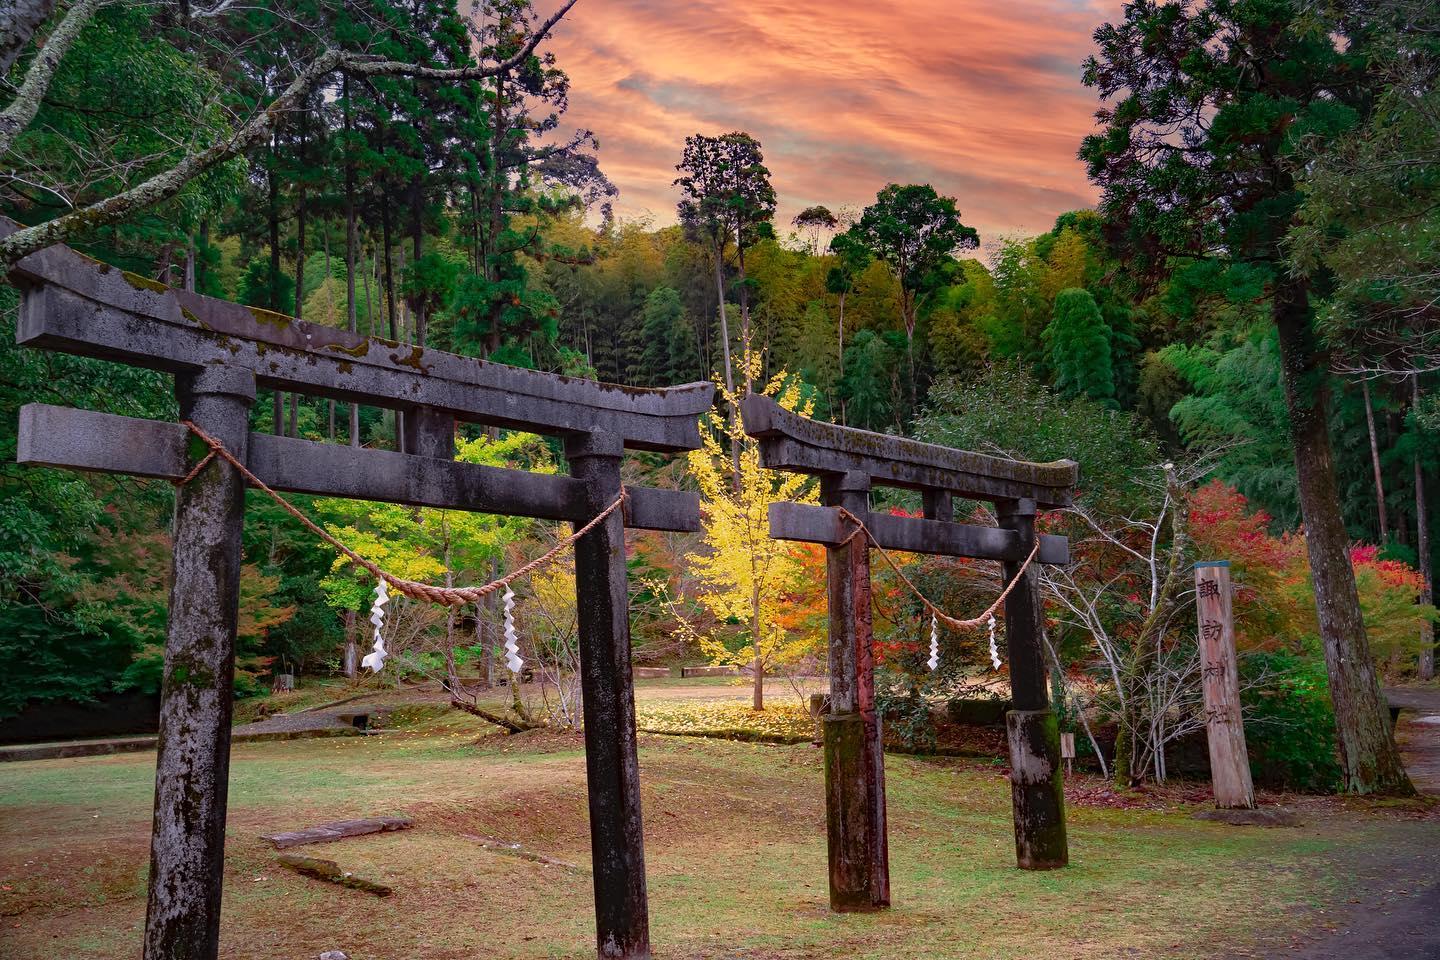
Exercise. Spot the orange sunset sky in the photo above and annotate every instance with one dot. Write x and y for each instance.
(981, 99)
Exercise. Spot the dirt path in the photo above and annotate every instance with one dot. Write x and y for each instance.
(1419, 735)
(1395, 883)
(1391, 913)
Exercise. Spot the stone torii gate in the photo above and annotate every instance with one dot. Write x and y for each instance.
(849, 462)
(219, 353)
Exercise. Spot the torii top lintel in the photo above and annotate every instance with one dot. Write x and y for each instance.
(78, 305)
(789, 441)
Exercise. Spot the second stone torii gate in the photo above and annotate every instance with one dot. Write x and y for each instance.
(849, 462)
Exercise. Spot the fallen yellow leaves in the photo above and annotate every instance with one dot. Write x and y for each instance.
(780, 723)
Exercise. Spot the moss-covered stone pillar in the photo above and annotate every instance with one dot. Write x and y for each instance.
(187, 844)
(612, 767)
(1036, 781)
(854, 757)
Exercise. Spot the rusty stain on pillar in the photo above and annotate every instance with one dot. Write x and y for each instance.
(612, 767)
(854, 754)
(187, 846)
(1036, 784)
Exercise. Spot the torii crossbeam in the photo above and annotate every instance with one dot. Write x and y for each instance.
(849, 462)
(219, 353)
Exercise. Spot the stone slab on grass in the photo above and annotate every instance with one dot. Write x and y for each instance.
(331, 872)
(1259, 817)
(338, 830)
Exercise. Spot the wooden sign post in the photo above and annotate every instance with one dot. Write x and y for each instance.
(1224, 727)
(219, 353)
(849, 462)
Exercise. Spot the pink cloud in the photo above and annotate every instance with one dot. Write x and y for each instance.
(982, 100)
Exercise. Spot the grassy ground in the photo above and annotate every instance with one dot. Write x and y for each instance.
(734, 844)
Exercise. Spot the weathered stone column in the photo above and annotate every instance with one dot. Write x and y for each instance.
(429, 433)
(854, 755)
(187, 843)
(622, 914)
(1037, 786)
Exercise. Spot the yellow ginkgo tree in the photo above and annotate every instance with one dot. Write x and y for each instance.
(747, 581)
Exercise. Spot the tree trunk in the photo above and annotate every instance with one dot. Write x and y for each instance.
(908, 307)
(1368, 753)
(729, 367)
(1375, 463)
(495, 207)
(273, 210)
(399, 418)
(200, 271)
(1422, 548)
(509, 724)
(300, 212)
(744, 309)
(724, 322)
(389, 269)
(350, 253)
(840, 354)
(757, 697)
(369, 303)
(417, 243)
(351, 663)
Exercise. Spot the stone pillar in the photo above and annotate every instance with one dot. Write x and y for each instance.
(1037, 786)
(622, 916)
(187, 844)
(429, 433)
(854, 755)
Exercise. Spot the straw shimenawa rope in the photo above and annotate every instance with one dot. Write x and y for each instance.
(445, 596)
(455, 596)
(939, 614)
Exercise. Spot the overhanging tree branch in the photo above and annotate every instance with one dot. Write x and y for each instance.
(165, 185)
(19, 112)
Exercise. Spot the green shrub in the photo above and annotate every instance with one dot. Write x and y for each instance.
(904, 711)
(1289, 722)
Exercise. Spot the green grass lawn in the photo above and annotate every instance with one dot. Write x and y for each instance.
(734, 844)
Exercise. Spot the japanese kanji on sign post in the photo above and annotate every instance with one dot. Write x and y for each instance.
(1224, 728)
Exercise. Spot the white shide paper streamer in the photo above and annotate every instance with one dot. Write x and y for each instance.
(934, 662)
(512, 649)
(376, 660)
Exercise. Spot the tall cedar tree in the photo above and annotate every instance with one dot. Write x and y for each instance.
(851, 257)
(1078, 340)
(1195, 159)
(726, 197)
(516, 182)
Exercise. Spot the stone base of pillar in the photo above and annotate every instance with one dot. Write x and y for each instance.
(1037, 789)
(859, 861)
